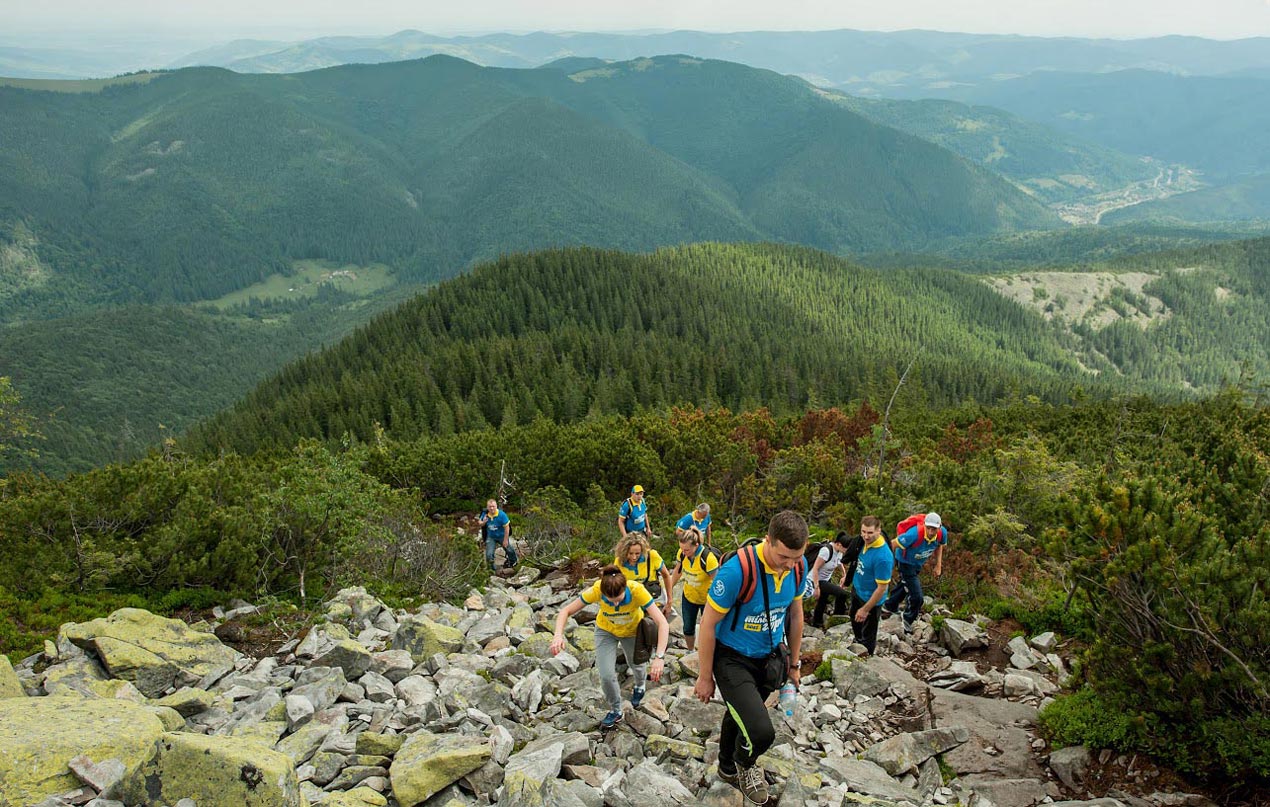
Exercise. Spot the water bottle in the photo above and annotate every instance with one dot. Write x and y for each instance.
(789, 698)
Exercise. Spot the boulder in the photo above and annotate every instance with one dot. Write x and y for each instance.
(153, 652)
(422, 637)
(376, 744)
(1007, 792)
(999, 745)
(188, 701)
(427, 762)
(647, 785)
(346, 654)
(1070, 764)
(960, 676)
(1045, 642)
(10, 686)
(903, 753)
(854, 677)
(958, 636)
(40, 736)
(868, 778)
(392, 664)
(357, 797)
(214, 772)
(529, 774)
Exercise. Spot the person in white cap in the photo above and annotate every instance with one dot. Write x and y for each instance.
(913, 547)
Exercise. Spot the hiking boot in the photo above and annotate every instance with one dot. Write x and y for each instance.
(731, 776)
(753, 784)
(637, 697)
(908, 627)
(611, 719)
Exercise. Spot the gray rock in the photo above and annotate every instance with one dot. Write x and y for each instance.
(1044, 642)
(853, 678)
(868, 778)
(995, 724)
(960, 676)
(299, 711)
(321, 685)
(1007, 792)
(392, 664)
(1070, 764)
(102, 776)
(646, 785)
(527, 694)
(1022, 661)
(903, 753)
(959, 636)
(378, 688)
(528, 774)
(348, 655)
(416, 690)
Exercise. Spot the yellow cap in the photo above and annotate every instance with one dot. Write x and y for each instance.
(637, 489)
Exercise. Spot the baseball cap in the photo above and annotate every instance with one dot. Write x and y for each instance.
(637, 489)
(933, 520)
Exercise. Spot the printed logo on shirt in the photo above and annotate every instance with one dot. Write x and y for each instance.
(765, 621)
(718, 587)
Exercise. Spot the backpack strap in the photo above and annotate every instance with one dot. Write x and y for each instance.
(747, 556)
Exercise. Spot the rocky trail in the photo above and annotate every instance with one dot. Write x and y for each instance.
(451, 706)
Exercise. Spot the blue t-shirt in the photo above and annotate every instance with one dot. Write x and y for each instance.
(496, 527)
(636, 516)
(873, 569)
(757, 632)
(688, 522)
(906, 554)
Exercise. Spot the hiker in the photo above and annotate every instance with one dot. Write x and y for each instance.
(747, 649)
(696, 564)
(918, 538)
(632, 516)
(496, 530)
(623, 605)
(838, 557)
(639, 561)
(699, 518)
(872, 577)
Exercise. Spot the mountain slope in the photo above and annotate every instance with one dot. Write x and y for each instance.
(186, 186)
(564, 334)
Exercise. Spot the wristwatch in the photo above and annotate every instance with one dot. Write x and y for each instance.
(658, 656)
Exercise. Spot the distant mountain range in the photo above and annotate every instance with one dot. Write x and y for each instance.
(187, 186)
(900, 63)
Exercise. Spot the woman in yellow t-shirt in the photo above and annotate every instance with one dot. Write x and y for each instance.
(695, 563)
(639, 561)
(623, 603)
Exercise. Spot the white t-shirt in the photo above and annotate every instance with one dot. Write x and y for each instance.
(832, 560)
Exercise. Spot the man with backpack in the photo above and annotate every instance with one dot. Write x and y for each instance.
(496, 532)
(835, 558)
(748, 650)
(699, 519)
(872, 576)
(632, 516)
(918, 538)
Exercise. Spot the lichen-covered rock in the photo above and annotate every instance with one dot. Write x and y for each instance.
(422, 637)
(10, 686)
(903, 753)
(169, 717)
(348, 655)
(153, 652)
(40, 736)
(370, 742)
(357, 797)
(426, 763)
(188, 702)
(214, 772)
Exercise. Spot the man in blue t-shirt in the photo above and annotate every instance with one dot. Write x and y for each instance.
(739, 645)
(497, 532)
(699, 518)
(632, 516)
(872, 576)
(913, 547)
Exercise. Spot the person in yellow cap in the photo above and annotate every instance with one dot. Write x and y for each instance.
(632, 516)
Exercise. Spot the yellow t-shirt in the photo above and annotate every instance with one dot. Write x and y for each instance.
(620, 620)
(696, 571)
(648, 568)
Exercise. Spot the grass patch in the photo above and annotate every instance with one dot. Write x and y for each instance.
(307, 278)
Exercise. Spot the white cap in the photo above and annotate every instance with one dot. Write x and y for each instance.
(933, 520)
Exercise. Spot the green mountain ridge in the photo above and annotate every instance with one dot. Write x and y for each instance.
(566, 334)
(195, 183)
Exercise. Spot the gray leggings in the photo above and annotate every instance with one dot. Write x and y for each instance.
(606, 662)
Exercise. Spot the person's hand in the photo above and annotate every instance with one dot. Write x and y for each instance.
(668, 610)
(862, 614)
(939, 569)
(557, 644)
(704, 690)
(655, 669)
(816, 591)
(795, 671)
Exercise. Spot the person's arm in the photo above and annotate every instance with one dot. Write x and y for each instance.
(794, 633)
(704, 689)
(675, 577)
(815, 576)
(657, 665)
(621, 524)
(562, 619)
(863, 613)
(939, 560)
(665, 581)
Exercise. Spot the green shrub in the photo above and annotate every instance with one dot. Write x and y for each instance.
(1086, 718)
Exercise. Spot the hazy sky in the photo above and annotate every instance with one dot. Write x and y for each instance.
(1224, 19)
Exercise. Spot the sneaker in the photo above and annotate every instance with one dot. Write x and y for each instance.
(611, 719)
(732, 776)
(753, 784)
(637, 697)
(908, 627)
(887, 614)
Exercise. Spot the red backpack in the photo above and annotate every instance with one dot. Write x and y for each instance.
(916, 520)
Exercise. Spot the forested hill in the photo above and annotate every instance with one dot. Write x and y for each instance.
(185, 186)
(573, 332)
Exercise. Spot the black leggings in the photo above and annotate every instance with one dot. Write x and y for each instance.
(841, 597)
(747, 729)
(866, 632)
